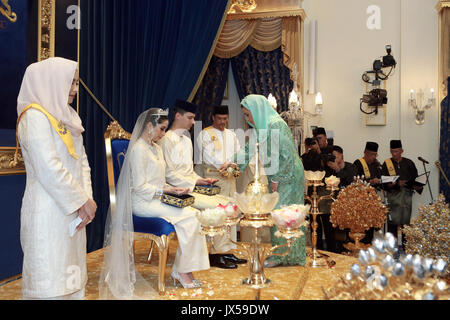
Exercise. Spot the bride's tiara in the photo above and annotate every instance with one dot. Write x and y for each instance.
(162, 112)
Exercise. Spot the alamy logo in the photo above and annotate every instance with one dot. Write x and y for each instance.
(374, 19)
(73, 281)
(73, 22)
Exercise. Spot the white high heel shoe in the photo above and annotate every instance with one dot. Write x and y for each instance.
(176, 276)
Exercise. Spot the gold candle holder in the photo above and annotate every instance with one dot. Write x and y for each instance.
(315, 180)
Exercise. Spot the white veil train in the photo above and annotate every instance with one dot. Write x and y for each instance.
(119, 278)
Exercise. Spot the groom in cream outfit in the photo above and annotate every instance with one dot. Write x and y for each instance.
(178, 153)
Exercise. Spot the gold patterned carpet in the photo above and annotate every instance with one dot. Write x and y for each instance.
(288, 283)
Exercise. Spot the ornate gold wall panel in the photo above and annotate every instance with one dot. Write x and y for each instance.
(7, 164)
(46, 29)
(443, 8)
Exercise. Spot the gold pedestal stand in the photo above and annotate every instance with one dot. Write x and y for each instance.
(355, 247)
(318, 259)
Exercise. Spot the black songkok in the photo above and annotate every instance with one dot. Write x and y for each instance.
(318, 131)
(396, 144)
(372, 146)
(221, 110)
(186, 106)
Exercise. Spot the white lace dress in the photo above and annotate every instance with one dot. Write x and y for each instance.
(148, 177)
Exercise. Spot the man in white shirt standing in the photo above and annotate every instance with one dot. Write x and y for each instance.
(216, 146)
(178, 154)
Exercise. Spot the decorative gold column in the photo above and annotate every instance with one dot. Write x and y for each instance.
(46, 29)
(443, 8)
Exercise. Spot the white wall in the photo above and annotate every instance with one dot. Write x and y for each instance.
(347, 48)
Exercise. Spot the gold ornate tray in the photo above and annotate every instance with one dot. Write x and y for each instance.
(210, 190)
(180, 201)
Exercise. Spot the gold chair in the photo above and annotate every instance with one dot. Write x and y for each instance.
(157, 230)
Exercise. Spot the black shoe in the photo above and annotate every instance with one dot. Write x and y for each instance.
(218, 260)
(231, 257)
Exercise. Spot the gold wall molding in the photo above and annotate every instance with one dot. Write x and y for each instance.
(268, 14)
(442, 4)
(7, 11)
(7, 164)
(46, 29)
(242, 6)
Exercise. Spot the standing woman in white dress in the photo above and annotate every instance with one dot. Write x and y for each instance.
(142, 180)
(58, 184)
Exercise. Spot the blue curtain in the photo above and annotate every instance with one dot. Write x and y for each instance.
(445, 143)
(14, 47)
(257, 72)
(212, 89)
(135, 55)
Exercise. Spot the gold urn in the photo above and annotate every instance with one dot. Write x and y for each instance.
(256, 203)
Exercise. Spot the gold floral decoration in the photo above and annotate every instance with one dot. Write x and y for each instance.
(358, 208)
(429, 232)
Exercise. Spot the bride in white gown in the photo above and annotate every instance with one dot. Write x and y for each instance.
(141, 182)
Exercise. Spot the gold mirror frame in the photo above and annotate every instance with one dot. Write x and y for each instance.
(46, 49)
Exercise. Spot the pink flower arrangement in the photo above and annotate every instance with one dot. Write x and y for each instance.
(291, 216)
(232, 210)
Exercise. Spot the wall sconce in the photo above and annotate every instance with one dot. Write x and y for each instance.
(273, 101)
(417, 103)
(319, 103)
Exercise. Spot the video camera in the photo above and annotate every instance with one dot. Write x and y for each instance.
(375, 98)
(327, 157)
(378, 97)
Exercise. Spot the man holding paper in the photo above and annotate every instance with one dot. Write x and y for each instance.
(400, 191)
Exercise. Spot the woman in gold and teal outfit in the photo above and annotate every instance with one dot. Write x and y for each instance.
(282, 164)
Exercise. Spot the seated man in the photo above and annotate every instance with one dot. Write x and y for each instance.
(178, 154)
(346, 173)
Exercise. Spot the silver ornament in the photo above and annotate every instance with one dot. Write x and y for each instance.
(379, 245)
(408, 260)
(428, 296)
(440, 266)
(389, 242)
(388, 262)
(398, 270)
(363, 257)
(441, 286)
(427, 264)
(369, 272)
(372, 254)
(348, 276)
(416, 261)
(355, 269)
(419, 271)
(384, 281)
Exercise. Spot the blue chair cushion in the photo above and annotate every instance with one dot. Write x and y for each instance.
(119, 149)
(156, 226)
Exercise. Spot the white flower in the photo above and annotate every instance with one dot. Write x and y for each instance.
(332, 181)
(314, 175)
(212, 217)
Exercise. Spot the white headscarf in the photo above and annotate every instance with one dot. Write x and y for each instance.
(48, 84)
